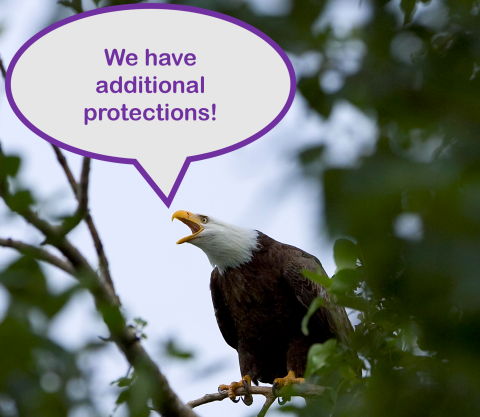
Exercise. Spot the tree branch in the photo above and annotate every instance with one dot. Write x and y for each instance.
(3, 70)
(82, 197)
(268, 403)
(63, 163)
(301, 390)
(165, 401)
(82, 188)
(102, 258)
(38, 253)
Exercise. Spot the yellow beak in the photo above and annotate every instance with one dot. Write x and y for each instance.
(192, 221)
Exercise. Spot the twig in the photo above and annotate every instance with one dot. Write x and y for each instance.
(100, 252)
(82, 197)
(2, 69)
(82, 188)
(88, 218)
(63, 163)
(165, 401)
(268, 403)
(38, 253)
(303, 390)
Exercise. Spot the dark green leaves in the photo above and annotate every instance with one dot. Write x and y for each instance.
(346, 281)
(316, 304)
(35, 372)
(318, 278)
(9, 166)
(137, 392)
(74, 5)
(312, 154)
(345, 253)
(408, 6)
(417, 300)
(172, 349)
(25, 282)
(320, 355)
(19, 201)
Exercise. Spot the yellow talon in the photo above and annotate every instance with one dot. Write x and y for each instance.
(290, 379)
(245, 382)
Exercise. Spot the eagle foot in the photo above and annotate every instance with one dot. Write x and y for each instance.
(279, 383)
(245, 382)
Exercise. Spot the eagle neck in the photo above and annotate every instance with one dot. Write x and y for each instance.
(232, 249)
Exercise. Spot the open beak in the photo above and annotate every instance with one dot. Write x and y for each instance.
(191, 220)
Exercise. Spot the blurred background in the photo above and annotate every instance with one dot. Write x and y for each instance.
(381, 146)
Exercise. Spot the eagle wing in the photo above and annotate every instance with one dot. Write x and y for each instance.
(222, 313)
(330, 320)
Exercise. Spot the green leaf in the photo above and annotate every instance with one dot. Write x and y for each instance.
(18, 350)
(26, 284)
(311, 155)
(74, 5)
(172, 349)
(123, 382)
(123, 397)
(112, 316)
(55, 303)
(354, 302)
(318, 278)
(314, 306)
(141, 391)
(347, 372)
(20, 201)
(345, 281)
(25, 281)
(345, 253)
(319, 355)
(9, 166)
(70, 222)
(408, 6)
(140, 323)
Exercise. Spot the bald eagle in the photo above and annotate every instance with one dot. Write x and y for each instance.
(260, 298)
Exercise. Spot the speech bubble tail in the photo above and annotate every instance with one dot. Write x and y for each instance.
(163, 173)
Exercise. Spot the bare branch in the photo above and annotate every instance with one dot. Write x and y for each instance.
(100, 251)
(82, 197)
(2, 69)
(165, 400)
(268, 403)
(88, 218)
(302, 390)
(220, 396)
(63, 163)
(82, 188)
(38, 253)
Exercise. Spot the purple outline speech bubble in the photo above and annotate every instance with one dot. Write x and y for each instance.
(166, 199)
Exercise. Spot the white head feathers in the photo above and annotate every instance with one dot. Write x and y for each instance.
(226, 245)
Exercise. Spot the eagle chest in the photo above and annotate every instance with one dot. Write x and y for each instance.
(260, 299)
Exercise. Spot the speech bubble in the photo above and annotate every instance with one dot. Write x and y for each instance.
(154, 85)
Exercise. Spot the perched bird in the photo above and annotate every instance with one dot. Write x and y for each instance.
(260, 298)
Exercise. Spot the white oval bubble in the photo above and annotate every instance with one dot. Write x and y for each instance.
(157, 86)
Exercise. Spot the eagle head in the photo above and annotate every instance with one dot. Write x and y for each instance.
(226, 245)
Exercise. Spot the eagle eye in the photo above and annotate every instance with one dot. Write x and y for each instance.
(204, 219)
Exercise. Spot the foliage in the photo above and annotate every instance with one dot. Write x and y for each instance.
(136, 393)
(173, 350)
(410, 207)
(38, 377)
(408, 213)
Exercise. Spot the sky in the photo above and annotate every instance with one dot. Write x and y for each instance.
(260, 186)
